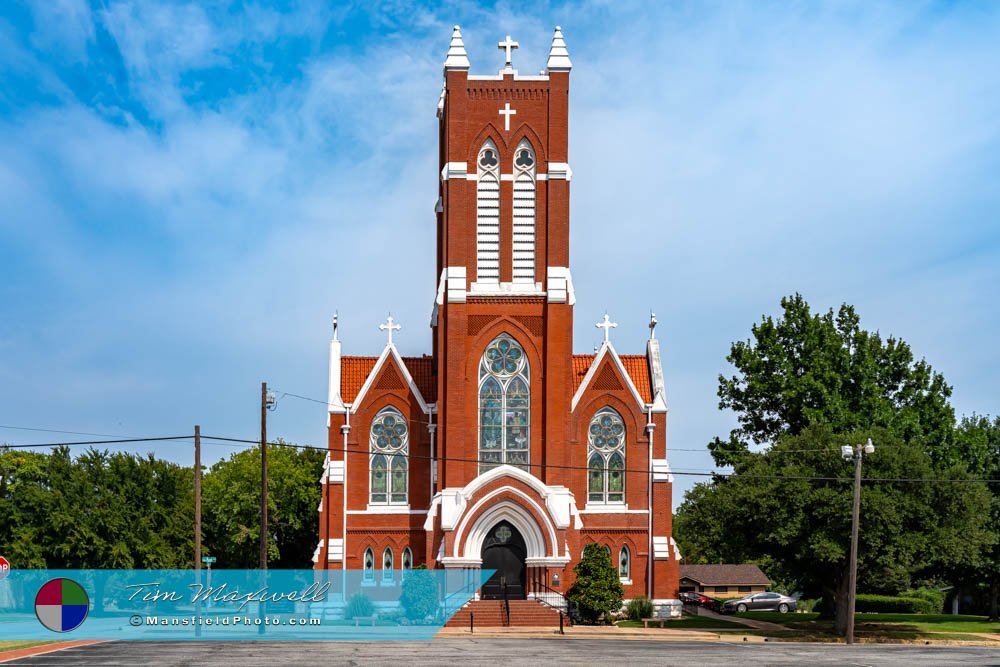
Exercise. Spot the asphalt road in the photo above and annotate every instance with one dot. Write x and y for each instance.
(465, 652)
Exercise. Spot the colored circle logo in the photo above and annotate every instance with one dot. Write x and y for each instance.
(61, 605)
(4, 567)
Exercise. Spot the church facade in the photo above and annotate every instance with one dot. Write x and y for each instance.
(501, 449)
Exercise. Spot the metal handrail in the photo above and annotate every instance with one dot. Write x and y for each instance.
(506, 601)
(570, 609)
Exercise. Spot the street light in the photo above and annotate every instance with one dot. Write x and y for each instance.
(855, 453)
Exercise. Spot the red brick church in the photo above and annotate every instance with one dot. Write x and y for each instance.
(502, 449)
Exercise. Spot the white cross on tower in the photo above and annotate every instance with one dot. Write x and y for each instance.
(507, 45)
(507, 112)
(607, 325)
(390, 326)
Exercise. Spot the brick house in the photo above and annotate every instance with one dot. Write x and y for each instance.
(501, 449)
(723, 581)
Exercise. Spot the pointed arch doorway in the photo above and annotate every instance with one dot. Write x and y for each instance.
(504, 550)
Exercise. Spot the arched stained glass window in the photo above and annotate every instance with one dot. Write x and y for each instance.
(369, 565)
(624, 564)
(504, 405)
(406, 561)
(387, 564)
(606, 457)
(388, 464)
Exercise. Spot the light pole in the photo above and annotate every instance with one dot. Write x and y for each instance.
(267, 402)
(855, 453)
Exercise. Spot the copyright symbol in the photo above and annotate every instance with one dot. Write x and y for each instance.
(135, 620)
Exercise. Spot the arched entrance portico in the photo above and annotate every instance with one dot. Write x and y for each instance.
(504, 550)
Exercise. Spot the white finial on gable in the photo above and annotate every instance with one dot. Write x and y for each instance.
(389, 326)
(457, 58)
(335, 325)
(558, 55)
(652, 325)
(607, 325)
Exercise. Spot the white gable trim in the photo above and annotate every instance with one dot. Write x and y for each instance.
(389, 349)
(607, 348)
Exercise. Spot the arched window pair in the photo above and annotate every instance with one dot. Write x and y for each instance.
(388, 560)
(388, 464)
(504, 405)
(488, 178)
(606, 457)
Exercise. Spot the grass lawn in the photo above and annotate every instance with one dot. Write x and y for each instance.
(13, 644)
(895, 623)
(688, 622)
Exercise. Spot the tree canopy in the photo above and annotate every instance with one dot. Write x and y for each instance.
(805, 385)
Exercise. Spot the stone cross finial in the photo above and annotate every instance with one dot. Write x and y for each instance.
(335, 318)
(389, 326)
(607, 325)
(652, 325)
(507, 46)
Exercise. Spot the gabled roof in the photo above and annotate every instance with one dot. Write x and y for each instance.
(725, 575)
(355, 370)
(635, 365)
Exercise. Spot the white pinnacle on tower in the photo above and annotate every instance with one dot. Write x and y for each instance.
(457, 58)
(558, 55)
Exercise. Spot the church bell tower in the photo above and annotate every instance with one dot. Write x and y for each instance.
(503, 253)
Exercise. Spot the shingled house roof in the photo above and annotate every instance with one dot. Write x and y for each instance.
(725, 575)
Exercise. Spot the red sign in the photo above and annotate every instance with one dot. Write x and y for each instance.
(4, 567)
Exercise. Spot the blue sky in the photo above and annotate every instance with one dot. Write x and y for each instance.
(189, 190)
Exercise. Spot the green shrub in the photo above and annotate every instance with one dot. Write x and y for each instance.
(639, 608)
(931, 595)
(888, 604)
(597, 591)
(420, 594)
(359, 606)
(809, 605)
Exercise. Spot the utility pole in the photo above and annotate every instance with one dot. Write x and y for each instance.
(197, 518)
(856, 453)
(197, 500)
(263, 475)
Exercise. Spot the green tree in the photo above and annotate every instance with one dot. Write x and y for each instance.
(977, 440)
(231, 507)
(597, 590)
(806, 369)
(790, 507)
(420, 593)
(805, 385)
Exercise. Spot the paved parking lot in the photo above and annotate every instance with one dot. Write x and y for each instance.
(514, 651)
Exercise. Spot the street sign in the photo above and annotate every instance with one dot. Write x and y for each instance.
(208, 559)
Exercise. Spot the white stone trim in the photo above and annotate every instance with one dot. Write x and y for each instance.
(490, 288)
(335, 552)
(653, 358)
(335, 472)
(317, 551)
(387, 509)
(510, 511)
(607, 348)
(455, 170)
(661, 548)
(559, 285)
(500, 75)
(451, 286)
(560, 171)
(661, 471)
(602, 508)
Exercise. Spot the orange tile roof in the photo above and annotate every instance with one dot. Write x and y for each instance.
(355, 370)
(353, 373)
(420, 369)
(635, 365)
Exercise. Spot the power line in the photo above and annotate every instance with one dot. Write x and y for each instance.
(540, 466)
(694, 473)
